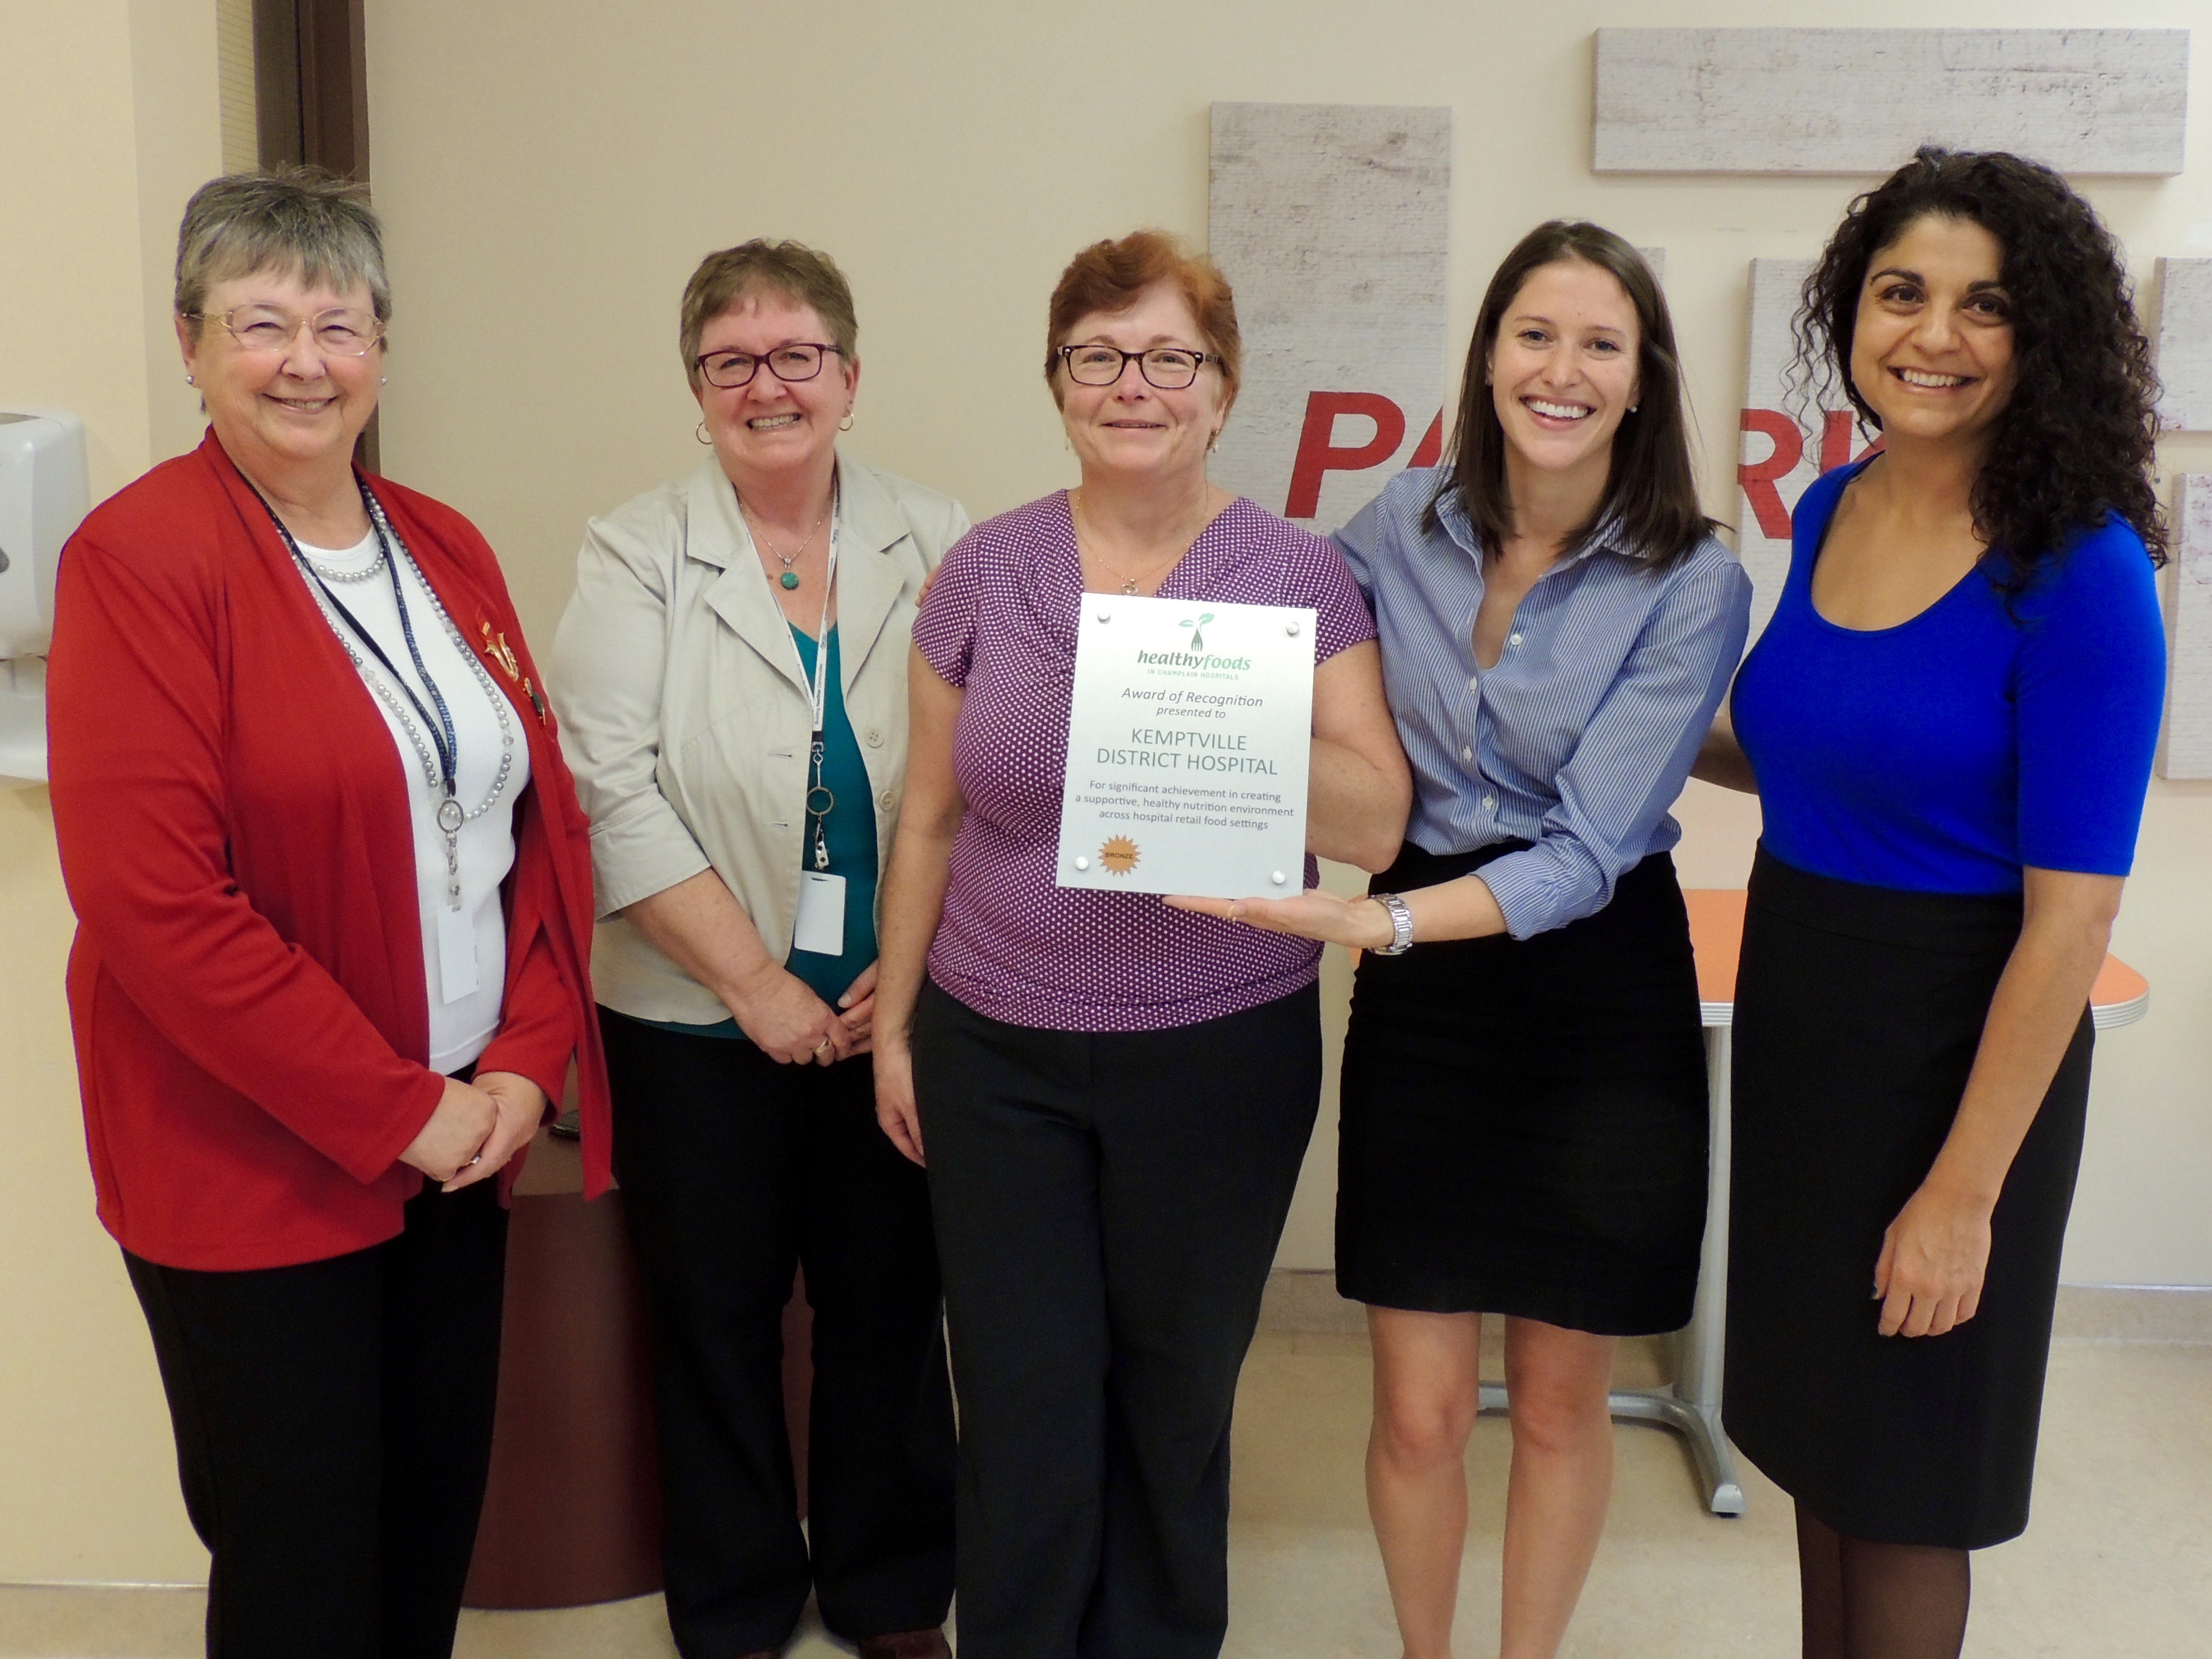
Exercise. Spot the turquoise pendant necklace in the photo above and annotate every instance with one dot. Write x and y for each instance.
(789, 580)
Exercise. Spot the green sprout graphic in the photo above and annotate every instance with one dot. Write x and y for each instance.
(1197, 630)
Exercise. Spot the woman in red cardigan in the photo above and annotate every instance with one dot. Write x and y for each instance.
(334, 898)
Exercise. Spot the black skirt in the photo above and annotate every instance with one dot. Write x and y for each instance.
(1859, 1012)
(1525, 1120)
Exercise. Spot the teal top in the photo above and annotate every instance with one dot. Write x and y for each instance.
(850, 833)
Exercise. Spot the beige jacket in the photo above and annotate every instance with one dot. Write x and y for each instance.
(686, 720)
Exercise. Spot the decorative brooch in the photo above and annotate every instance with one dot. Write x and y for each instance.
(501, 654)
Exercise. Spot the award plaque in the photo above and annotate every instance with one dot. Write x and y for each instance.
(1188, 747)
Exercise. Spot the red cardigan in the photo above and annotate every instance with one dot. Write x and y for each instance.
(246, 986)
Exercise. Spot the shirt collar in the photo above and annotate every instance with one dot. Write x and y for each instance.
(1610, 536)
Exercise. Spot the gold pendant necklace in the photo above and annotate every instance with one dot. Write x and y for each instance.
(1130, 584)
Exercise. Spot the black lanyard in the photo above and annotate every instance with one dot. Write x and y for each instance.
(443, 738)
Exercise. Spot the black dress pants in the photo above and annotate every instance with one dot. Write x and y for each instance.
(735, 1170)
(333, 1424)
(1108, 1207)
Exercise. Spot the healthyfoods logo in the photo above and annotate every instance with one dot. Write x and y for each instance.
(1197, 656)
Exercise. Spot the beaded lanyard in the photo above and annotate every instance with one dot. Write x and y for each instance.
(439, 751)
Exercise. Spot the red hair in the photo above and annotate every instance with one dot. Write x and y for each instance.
(1112, 276)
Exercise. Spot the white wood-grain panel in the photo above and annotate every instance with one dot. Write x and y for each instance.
(1330, 221)
(2188, 752)
(2087, 100)
(2185, 343)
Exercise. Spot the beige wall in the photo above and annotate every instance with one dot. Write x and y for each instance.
(107, 119)
(549, 172)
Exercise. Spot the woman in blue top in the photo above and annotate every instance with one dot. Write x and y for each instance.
(1949, 723)
(1524, 1108)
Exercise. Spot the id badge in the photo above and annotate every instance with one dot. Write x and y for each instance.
(821, 928)
(457, 953)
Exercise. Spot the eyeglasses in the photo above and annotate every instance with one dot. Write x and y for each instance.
(788, 363)
(342, 331)
(1169, 368)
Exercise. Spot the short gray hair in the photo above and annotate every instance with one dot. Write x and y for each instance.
(288, 218)
(734, 275)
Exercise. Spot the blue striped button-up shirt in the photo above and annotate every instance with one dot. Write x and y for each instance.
(1582, 736)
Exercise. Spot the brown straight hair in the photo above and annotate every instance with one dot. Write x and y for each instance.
(1652, 492)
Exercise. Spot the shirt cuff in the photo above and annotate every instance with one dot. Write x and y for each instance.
(636, 862)
(1532, 891)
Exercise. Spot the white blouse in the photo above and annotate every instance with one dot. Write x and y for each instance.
(463, 1017)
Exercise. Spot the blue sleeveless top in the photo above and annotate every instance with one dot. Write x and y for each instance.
(1944, 754)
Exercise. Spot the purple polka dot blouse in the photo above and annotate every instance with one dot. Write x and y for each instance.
(1001, 622)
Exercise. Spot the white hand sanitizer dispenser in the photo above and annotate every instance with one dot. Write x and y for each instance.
(44, 495)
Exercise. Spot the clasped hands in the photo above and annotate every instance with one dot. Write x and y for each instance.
(789, 1023)
(476, 1127)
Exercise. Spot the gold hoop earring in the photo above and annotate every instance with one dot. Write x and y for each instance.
(700, 433)
(846, 425)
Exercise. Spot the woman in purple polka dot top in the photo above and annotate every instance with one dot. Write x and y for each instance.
(1116, 1094)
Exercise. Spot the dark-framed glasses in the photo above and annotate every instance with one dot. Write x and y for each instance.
(799, 361)
(342, 331)
(1169, 368)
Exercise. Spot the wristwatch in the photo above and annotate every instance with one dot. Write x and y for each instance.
(1401, 925)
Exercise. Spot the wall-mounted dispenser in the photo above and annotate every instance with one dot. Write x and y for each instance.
(43, 494)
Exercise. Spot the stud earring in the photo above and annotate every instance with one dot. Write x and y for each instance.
(189, 380)
(700, 433)
(384, 379)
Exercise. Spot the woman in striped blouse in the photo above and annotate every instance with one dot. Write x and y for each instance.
(1524, 1116)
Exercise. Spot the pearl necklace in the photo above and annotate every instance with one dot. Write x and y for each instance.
(374, 567)
(451, 814)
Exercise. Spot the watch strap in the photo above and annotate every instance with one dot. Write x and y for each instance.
(1401, 925)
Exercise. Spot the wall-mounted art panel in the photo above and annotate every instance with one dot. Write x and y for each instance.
(1329, 221)
(1860, 100)
(1783, 448)
(2185, 343)
(2188, 634)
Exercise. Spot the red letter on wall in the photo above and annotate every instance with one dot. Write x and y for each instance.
(1758, 477)
(1317, 454)
(1431, 449)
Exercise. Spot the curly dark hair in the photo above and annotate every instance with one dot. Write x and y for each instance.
(2076, 442)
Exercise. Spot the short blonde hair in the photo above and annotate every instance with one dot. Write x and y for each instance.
(790, 269)
(288, 218)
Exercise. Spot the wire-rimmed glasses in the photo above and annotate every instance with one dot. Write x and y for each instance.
(1166, 368)
(340, 331)
(801, 360)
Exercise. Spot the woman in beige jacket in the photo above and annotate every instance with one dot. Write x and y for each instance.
(731, 680)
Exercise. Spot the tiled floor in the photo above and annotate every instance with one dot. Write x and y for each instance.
(2117, 1563)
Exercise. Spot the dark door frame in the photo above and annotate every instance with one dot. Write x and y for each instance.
(311, 98)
